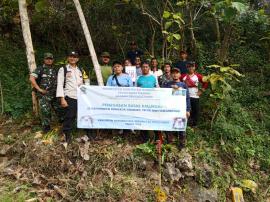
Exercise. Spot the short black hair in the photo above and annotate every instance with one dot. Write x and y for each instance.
(145, 62)
(153, 59)
(116, 62)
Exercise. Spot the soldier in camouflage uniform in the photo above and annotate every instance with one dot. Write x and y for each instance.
(44, 82)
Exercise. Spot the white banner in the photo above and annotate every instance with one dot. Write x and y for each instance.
(131, 108)
(131, 71)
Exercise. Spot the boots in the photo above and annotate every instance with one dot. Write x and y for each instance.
(181, 140)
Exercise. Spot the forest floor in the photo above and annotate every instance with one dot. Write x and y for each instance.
(36, 167)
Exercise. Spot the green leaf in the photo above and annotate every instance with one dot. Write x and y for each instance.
(177, 36)
(41, 6)
(168, 24)
(240, 7)
(170, 38)
(166, 14)
(180, 3)
(177, 16)
(165, 32)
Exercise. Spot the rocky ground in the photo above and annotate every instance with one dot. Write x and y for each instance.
(36, 167)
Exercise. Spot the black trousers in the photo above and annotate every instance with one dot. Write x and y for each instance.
(70, 115)
(195, 110)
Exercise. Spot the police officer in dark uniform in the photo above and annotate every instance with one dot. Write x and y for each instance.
(44, 82)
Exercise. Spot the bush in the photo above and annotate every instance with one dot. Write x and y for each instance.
(14, 78)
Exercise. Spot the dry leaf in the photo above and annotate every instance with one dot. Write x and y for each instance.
(84, 151)
(61, 192)
(38, 135)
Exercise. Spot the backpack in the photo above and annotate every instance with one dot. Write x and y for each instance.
(65, 73)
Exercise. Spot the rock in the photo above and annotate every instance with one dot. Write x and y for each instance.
(185, 163)
(205, 195)
(172, 172)
(1, 137)
(154, 176)
(144, 165)
(3, 163)
(4, 150)
(205, 176)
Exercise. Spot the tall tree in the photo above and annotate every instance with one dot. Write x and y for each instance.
(29, 46)
(89, 42)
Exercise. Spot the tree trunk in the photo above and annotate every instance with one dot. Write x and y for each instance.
(89, 42)
(218, 37)
(29, 46)
(193, 39)
(225, 44)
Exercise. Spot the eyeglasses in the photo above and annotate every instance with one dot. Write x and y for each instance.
(48, 58)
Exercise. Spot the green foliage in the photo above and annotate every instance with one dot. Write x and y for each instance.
(14, 78)
(219, 78)
(228, 11)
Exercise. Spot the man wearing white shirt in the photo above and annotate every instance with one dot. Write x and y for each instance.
(69, 78)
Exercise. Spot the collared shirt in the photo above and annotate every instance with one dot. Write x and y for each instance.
(46, 77)
(73, 80)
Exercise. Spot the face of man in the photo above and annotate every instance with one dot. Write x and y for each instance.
(167, 69)
(176, 75)
(154, 63)
(183, 56)
(138, 61)
(105, 60)
(133, 46)
(145, 69)
(48, 61)
(191, 69)
(73, 59)
(127, 63)
(117, 69)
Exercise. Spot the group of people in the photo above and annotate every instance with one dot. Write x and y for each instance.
(57, 90)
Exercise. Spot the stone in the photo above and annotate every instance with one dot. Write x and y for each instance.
(4, 150)
(205, 195)
(172, 172)
(185, 163)
(1, 137)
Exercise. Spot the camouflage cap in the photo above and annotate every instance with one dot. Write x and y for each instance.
(48, 55)
(105, 54)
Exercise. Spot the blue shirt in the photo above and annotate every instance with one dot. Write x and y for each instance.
(147, 81)
(124, 80)
(182, 66)
(133, 54)
(181, 85)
